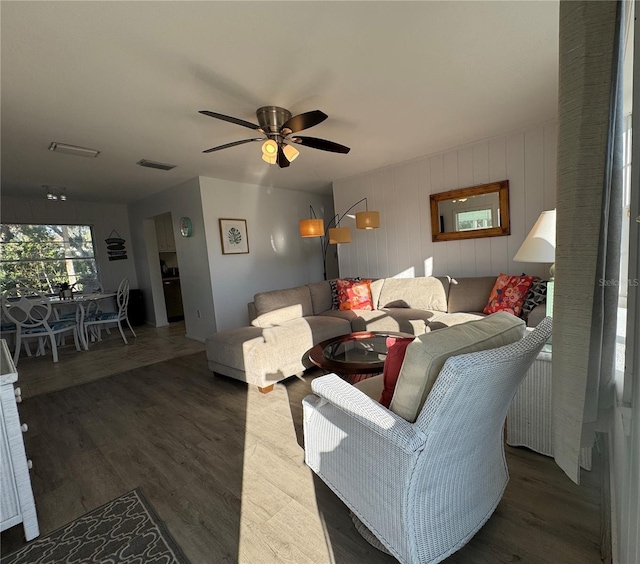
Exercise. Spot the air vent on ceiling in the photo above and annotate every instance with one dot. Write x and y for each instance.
(73, 150)
(153, 164)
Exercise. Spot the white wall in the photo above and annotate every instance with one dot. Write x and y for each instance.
(181, 200)
(403, 246)
(278, 257)
(103, 218)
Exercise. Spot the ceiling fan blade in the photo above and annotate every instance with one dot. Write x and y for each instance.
(227, 145)
(237, 121)
(282, 160)
(321, 144)
(304, 121)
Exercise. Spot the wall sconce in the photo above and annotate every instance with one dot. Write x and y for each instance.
(314, 227)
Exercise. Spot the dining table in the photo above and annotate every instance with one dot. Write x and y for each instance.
(81, 302)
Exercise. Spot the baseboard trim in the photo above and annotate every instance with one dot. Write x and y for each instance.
(199, 339)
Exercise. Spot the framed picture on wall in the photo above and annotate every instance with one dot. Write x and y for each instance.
(233, 236)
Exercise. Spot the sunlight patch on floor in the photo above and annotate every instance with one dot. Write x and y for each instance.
(277, 488)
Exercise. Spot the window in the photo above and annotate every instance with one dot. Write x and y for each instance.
(626, 212)
(476, 219)
(43, 256)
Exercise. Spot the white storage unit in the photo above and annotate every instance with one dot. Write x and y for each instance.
(530, 417)
(16, 496)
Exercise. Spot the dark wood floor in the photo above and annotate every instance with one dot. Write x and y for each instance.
(223, 466)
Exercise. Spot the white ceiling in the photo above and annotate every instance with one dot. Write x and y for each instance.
(398, 80)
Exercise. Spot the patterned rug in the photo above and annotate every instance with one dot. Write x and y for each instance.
(123, 530)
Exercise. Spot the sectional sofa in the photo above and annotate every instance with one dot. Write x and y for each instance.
(285, 324)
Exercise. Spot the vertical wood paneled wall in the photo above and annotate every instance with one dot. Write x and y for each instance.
(402, 247)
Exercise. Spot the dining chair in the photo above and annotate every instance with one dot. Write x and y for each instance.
(31, 312)
(87, 285)
(94, 321)
(8, 332)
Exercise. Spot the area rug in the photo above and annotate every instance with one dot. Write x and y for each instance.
(125, 530)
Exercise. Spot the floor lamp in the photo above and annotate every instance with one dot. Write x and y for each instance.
(314, 227)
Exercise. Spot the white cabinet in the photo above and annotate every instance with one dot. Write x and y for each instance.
(164, 234)
(16, 496)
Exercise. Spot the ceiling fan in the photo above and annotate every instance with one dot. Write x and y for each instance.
(278, 127)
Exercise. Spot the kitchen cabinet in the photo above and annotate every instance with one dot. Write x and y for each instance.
(16, 496)
(164, 233)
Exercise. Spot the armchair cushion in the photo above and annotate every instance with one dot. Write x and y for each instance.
(426, 356)
(396, 350)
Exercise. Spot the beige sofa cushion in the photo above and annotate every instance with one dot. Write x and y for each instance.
(427, 293)
(277, 299)
(320, 296)
(278, 316)
(426, 356)
(470, 294)
(405, 320)
(442, 320)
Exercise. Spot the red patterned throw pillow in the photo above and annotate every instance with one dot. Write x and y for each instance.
(508, 294)
(354, 294)
(396, 349)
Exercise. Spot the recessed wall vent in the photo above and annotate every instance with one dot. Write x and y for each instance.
(153, 164)
(73, 150)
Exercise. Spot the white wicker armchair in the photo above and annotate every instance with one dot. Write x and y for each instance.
(422, 489)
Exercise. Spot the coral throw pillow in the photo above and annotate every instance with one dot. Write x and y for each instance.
(354, 294)
(508, 294)
(392, 364)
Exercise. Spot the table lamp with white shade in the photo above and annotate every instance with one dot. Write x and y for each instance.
(540, 246)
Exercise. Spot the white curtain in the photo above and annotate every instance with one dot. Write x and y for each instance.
(589, 193)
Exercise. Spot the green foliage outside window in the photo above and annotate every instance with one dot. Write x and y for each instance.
(45, 256)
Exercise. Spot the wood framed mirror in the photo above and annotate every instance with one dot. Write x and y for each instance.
(471, 213)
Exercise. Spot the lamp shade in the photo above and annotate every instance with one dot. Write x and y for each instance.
(269, 151)
(368, 220)
(290, 152)
(540, 244)
(339, 235)
(270, 147)
(311, 227)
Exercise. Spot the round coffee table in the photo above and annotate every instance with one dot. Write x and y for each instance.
(355, 356)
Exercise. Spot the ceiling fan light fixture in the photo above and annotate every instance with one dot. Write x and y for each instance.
(270, 148)
(55, 193)
(278, 125)
(290, 152)
(339, 235)
(311, 227)
(368, 220)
